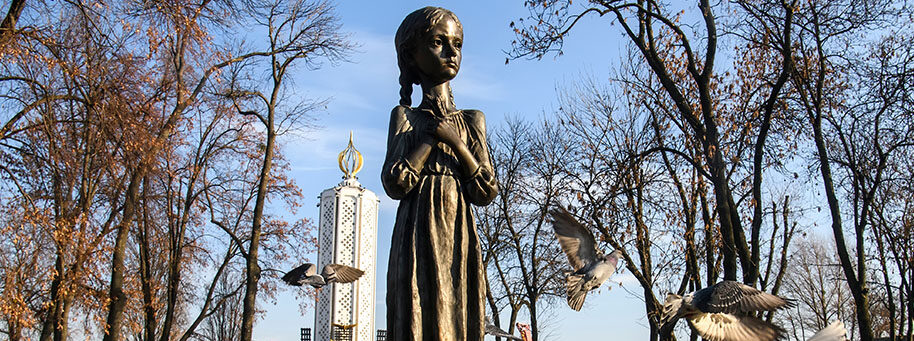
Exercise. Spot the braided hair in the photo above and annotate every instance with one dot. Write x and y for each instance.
(413, 27)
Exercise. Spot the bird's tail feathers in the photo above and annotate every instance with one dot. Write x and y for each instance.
(576, 299)
(576, 293)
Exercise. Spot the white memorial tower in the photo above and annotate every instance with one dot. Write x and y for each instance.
(348, 226)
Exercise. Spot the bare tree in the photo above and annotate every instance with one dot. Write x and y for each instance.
(893, 226)
(225, 322)
(623, 191)
(110, 110)
(64, 152)
(797, 67)
(299, 31)
(848, 134)
(523, 261)
(818, 286)
(685, 75)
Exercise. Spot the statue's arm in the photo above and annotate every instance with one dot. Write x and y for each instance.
(446, 131)
(400, 172)
(420, 154)
(481, 185)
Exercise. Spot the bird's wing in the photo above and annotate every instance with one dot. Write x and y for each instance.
(341, 273)
(735, 297)
(727, 327)
(296, 276)
(576, 240)
(493, 330)
(834, 332)
(671, 307)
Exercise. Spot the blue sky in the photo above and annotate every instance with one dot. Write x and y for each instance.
(362, 93)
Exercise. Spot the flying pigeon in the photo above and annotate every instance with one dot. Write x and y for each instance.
(307, 274)
(493, 330)
(834, 332)
(721, 312)
(591, 267)
(526, 333)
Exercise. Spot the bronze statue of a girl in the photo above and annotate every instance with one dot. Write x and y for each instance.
(437, 164)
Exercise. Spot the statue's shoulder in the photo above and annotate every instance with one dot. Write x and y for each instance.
(401, 114)
(400, 110)
(475, 118)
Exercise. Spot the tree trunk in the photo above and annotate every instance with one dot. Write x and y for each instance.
(858, 288)
(759, 148)
(14, 330)
(116, 293)
(174, 277)
(534, 323)
(493, 308)
(734, 239)
(910, 300)
(55, 327)
(146, 277)
(50, 322)
(710, 245)
(514, 312)
(252, 277)
(657, 332)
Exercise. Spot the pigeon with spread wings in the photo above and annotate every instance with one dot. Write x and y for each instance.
(591, 267)
(721, 312)
(307, 274)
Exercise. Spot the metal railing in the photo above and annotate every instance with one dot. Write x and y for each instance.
(306, 334)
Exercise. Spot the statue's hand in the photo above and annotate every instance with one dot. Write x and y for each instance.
(446, 132)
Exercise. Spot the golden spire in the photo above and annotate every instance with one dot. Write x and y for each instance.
(350, 160)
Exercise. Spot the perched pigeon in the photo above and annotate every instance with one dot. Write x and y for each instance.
(307, 274)
(591, 267)
(721, 312)
(834, 332)
(493, 330)
(526, 333)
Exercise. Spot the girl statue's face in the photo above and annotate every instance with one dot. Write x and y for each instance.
(437, 54)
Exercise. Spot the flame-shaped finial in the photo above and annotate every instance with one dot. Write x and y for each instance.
(350, 160)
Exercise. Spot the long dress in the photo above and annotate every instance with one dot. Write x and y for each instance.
(435, 277)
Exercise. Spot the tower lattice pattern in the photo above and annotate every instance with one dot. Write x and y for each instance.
(347, 236)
